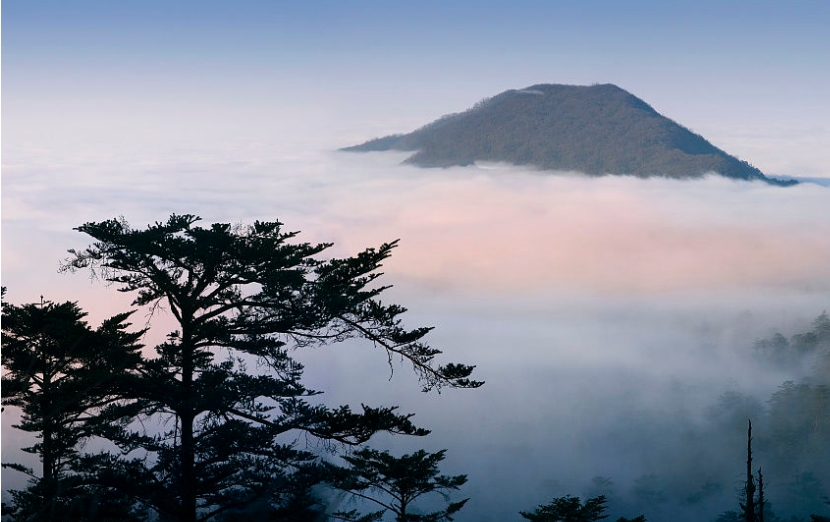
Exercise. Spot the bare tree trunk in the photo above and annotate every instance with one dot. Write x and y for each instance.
(188, 453)
(749, 507)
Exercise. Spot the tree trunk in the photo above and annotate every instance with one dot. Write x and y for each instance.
(47, 452)
(749, 507)
(402, 514)
(187, 415)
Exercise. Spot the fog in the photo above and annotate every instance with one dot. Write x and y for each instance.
(606, 315)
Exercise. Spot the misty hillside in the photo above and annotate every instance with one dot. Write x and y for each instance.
(601, 129)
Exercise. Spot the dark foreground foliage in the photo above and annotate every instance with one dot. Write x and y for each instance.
(395, 483)
(65, 378)
(217, 412)
(571, 509)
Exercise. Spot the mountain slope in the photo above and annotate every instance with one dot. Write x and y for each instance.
(600, 129)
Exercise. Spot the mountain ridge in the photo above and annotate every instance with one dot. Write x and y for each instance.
(599, 129)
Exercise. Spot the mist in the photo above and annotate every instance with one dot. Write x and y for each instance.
(608, 316)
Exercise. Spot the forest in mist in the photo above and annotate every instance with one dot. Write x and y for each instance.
(626, 329)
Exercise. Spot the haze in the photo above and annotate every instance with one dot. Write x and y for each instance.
(607, 315)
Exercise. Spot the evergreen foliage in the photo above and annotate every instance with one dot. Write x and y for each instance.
(793, 352)
(394, 483)
(242, 296)
(572, 509)
(66, 379)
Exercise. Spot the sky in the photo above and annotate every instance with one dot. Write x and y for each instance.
(580, 300)
(743, 74)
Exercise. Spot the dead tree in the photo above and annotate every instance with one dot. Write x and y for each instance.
(748, 508)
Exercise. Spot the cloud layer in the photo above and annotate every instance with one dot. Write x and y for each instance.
(599, 310)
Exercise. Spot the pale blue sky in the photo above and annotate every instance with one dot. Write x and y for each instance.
(746, 75)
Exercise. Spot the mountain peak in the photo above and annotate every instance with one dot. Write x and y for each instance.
(597, 129)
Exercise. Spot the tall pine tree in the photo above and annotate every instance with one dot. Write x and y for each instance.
(65, 379)
(240, 296)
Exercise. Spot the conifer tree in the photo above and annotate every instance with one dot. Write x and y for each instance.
(64, 377)
(569, 509)
(223, 388)
(395, 483)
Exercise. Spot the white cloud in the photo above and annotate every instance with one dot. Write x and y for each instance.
(581, 299)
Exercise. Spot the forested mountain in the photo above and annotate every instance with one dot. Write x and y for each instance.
(600, 129)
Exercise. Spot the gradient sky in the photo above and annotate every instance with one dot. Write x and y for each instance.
(618, 296)
(753, 77)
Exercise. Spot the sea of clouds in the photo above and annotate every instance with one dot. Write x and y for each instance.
(601, 311)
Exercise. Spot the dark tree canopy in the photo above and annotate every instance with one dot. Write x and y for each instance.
(394, 483)
(243, 296)
(65, 378)
(569, 509)
(249, 288)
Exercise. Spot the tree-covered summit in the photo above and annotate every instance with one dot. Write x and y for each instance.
(597, 129)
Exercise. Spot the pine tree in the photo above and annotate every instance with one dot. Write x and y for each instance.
(242, 296)
(569, 509)
(395, 483)
(64, 376)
